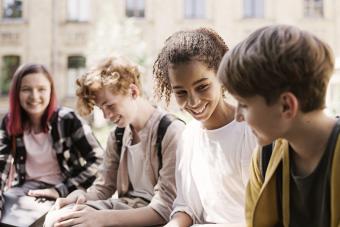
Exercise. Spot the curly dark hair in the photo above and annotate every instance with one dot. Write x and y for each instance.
(202, 44)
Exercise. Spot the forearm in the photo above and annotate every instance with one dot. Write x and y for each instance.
(180, 219)
(145, 216)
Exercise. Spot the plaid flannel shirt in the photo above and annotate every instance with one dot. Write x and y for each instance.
(77, 150)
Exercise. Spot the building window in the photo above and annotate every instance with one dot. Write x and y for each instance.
(313, 8)
(135, 8)
(75, 67)
(10, 63)
(253, 8)
(12, 9)
(194, 9)
(78, 10)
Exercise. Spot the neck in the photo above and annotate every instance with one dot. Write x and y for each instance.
(223, 114)
(145, 110)
(309, 139)
(35, 125)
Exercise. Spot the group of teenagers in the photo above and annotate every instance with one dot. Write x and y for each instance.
(273, 159)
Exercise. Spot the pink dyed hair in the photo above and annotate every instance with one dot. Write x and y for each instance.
(17, 117)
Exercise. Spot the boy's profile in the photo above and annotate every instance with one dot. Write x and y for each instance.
(279, 76)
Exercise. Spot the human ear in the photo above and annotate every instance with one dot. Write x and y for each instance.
(134, 91)
(290, 104)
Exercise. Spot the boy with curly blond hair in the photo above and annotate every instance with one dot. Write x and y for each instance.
(137, 164)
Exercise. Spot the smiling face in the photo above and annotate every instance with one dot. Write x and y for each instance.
(118, 108)
(197, 89)
(266, 121)
(35, 94)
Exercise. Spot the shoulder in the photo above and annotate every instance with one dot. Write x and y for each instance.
(171, 123)
(3, 130)
(66, 113)
(4, 121)
(191, 130)
(244, 130)
(67, 119)
(166, 120)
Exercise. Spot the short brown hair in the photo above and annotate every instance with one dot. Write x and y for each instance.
(115, 72)
(279, 58)
(202, 44)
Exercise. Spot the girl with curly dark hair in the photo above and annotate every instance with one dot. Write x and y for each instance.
(215, 150)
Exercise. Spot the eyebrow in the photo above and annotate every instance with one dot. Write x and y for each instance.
(196, 82)
(29, 86)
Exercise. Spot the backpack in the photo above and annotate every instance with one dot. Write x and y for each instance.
(163, 125)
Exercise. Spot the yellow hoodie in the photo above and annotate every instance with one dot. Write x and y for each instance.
(261, 198)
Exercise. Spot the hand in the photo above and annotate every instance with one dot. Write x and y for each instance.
(82, 216)
(50, 193)
(76, 197)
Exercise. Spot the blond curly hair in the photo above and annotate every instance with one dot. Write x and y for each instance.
(116, 73)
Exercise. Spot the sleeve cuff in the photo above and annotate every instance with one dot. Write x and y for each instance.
(186, 210)
(160, 209)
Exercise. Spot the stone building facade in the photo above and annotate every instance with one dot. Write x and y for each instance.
(68, 36)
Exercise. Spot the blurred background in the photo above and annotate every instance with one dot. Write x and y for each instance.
(70, 36)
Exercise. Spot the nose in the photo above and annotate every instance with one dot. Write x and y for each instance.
(34, 94)
(193, 101)
(239, 115)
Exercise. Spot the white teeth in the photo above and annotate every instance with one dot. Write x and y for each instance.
(200, 110)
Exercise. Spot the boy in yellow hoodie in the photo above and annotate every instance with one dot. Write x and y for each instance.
(279, 76)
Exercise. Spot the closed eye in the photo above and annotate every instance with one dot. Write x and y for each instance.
(202, 87)
(180, 93)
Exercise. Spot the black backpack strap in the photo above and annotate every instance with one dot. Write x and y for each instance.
(266, 153)
(164, 123)
(119, 133)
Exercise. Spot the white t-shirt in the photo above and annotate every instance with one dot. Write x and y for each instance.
(212, 170)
